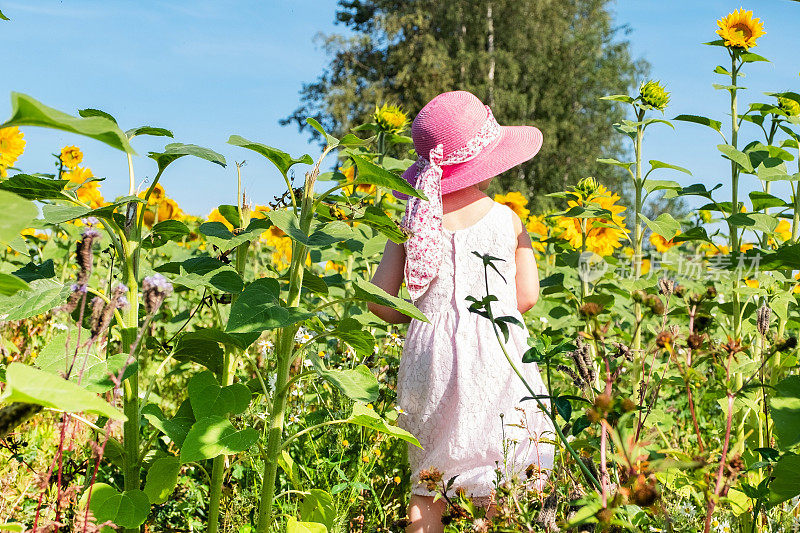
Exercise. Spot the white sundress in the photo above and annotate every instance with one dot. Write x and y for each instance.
(454, 381)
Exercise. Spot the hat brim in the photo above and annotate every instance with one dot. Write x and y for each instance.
(515, 145)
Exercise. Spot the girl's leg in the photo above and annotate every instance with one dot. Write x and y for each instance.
(425, 514)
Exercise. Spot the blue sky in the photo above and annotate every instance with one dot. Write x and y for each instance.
(209, 69)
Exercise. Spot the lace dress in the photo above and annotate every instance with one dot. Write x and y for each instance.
(454, 381)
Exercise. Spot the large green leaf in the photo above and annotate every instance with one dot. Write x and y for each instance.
(785, 409)
(58, 214)
(762, 200)
(175, 151)
(128, 509)
(10, 285)
(353, 333)
(165, 231)
(280, 159)
(201, 350)
(17, 215)
(654, 164)
(218, 234)
(162, 476)
(208, 398)
(786, 484)
(293, 526)
(737, 156)
(664, 225)
(213, 436)
(713, 124)
(31, 385)
(369, 172)
(318, 507)
(377, 218)
(369, 292)
(364, 416)
(207, 272)
(177, 427)
(754, 221)
(34, 187)
(322, 234)
(259, 308)
(358, 384)
(26, 111)
(42, 296)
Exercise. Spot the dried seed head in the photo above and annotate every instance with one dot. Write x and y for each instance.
(702, 322)
(736, 464)
(679, 291)
(644, 491)
(666, 286)
(664, 339)
(155, 289)
(762, 319)
(694, 341)
(628, 405)
(602, 403)
(590, 309)
(711, 292)
(97, 312)
(547, 516)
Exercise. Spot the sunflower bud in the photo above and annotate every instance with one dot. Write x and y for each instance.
(789, 106)
(590, 309)
(653, 95)
(762, 319)
(655, 304)
(390, 118)
(587, 186)
(638, 296)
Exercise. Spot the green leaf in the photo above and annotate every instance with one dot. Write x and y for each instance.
(762, 200)
(3, 17)
(213, 436)
(750, 57)
(34, 187)
(11, 526)
(786, 484)
(31, 385)
(754, 221)
(32, 271)
(162, 477)
(353, 333)
(259, 308)
(364, 416)
(165, 231)
(128, 509)
(280, 159)
(17, 215)
(293, 526)
(612, 161)
(377, 218)
(692, 234)
(148, 130)
(737, 156)
(618, 98)
(785, 410)
(43, 295)
(664, 225)
(26, 111)
(368, 292)
(697, 119)
(218, 234)
(201, 350)
(331, 140)
(654, 164)
(323, 234)
(58, 214)
(208, 272)
(10, 285)
(177, 427)
(369, 172)
(91, 112)
(564, 408)
(666, 185)
(175, 151)
(698, 189)
(318, 507)
(208, 398)
(358, 384)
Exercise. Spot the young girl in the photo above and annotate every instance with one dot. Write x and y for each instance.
(458, 393)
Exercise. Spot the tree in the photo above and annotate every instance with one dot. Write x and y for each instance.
(540, 62)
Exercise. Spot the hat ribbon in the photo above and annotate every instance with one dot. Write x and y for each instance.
(423, 218)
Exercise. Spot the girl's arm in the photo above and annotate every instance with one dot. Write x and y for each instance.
(389, 276)
(527, 274)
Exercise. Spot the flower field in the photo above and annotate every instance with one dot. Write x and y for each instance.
(161, 371)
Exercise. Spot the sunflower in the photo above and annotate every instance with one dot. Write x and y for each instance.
(515, 201)
(653, 95)
(740, 30)
(338, 267)
(215, 216)
(79, 174)
(90, 195)
(12, 145)
(391, 118)
(158, 202)
(541, 228)
(784, 232)
(661, 244)
(71, 156)
(602, 239)
(789, 106)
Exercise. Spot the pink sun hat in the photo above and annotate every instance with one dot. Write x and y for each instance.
(473, 146)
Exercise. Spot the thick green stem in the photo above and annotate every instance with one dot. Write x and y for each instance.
(636, 342)
(218, 465)
(285, 356)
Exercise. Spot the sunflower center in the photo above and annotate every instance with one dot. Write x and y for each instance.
(742, 31)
